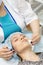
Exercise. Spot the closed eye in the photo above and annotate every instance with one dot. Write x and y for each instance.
(16, 40)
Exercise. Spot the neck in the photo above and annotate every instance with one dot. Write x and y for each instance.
(25, 54)
(29, 55)
(2, 11)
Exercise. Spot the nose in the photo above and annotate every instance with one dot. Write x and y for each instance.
(22, 37)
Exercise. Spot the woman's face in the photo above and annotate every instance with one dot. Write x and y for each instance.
(20, 42)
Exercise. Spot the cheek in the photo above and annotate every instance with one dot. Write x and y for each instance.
(16, 45)
(19, 46)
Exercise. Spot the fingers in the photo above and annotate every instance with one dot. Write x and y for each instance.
(8, 55)
(5, 47)
(4, 50)
(35, 38)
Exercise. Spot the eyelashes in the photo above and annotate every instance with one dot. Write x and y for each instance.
(16, 40)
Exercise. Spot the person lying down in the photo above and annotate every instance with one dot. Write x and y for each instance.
(23, 48)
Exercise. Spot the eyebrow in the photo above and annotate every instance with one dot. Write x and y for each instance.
(19, 35)
(22, 35)
(14, 37)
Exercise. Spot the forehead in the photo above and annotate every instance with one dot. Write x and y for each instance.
(18, 35)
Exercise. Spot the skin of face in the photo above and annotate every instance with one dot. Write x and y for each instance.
(20, 43)
(23, 48)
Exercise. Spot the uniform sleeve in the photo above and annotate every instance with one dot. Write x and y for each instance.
(28, 14)
(1, 34)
